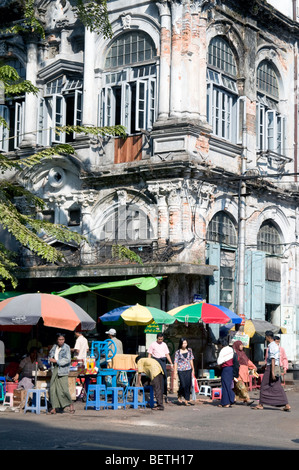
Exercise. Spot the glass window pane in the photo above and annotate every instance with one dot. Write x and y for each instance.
(130, 48)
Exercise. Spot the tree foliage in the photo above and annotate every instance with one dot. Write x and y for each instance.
(24, 227)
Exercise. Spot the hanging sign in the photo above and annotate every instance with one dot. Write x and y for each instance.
(153, 328)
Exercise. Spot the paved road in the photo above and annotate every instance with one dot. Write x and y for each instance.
(201, 427)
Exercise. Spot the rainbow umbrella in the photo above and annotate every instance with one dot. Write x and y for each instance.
(202, 311)
(137, 315)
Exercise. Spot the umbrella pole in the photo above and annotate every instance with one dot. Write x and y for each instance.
(35, 378)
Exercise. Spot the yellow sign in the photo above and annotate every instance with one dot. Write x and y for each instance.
(153, 328)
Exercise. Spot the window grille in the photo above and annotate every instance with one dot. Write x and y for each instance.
(220, 55)
(221, 229)
(130, 48)
(266, 80)
(268, 239)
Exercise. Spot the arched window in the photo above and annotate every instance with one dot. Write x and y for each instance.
(221, 229)
(222, 93)
(128, 95)
(268, 239)
(270, 123)
(127, 223)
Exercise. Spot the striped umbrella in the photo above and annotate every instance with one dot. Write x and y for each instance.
(22, 312)
(135, 315)
(202, 311)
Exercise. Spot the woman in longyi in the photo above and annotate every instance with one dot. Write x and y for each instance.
(240, 387)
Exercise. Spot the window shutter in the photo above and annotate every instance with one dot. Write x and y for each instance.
(151, 103)
(18, 131)
(58, 118)
(41, 122)
(213, 258)
(126, 107)
(4, 132)
(271, 130)
(255, 285)
(141, 104)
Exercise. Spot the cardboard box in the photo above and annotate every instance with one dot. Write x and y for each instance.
(19, 397)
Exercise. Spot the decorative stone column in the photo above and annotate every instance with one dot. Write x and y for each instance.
(31, 100)
(165, 59)
(89, 95)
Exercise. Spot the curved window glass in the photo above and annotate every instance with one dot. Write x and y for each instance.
(268, 239)
(266, 80)
(220, 55)
(222, 230)
(130, 48)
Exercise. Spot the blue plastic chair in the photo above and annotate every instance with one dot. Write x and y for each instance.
(118, 397)
(132, 397)
(36, 406)
(97, 401)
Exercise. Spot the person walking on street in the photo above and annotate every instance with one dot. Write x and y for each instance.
(240, 386)
(159, 350)
(153, 370)
(183, 366)
(228, 361)
(271, 391)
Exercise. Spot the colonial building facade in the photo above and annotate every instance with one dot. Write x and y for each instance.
(205, 187)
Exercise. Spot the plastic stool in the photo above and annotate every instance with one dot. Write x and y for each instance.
(3, 379)
(2, 393)
(135, 402)
(36, 406)
(8, 396)
(115, 404)
(205, 390)
(97, 402)
(216, 393)
(150, 388)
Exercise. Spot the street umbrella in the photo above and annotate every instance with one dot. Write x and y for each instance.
(202, 311)
(137, 315)
(256, 329)
(22, 312)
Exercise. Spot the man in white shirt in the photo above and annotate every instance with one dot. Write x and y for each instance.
(81, 347)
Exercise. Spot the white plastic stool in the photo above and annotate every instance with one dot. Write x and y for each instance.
(205, 390)
(8, 396)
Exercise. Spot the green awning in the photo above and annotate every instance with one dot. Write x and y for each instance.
(143, 283)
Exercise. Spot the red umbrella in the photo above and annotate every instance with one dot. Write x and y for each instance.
(22, 312)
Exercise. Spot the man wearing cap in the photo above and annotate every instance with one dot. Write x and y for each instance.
(112, 335)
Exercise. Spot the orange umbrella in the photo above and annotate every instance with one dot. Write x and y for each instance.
(22, 312)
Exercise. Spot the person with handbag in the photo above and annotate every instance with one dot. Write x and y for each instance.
(228, 361)
(271, 391)
(183, 366)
